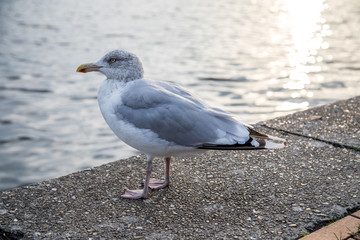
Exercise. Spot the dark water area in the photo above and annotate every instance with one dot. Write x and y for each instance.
(256, 59)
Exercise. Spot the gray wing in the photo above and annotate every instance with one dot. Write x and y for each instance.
(176, 116)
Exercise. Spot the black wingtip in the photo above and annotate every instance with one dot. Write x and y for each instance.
(246, 146)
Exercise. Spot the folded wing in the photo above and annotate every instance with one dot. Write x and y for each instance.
(177, 116)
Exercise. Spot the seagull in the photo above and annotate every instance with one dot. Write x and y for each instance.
(162, 119)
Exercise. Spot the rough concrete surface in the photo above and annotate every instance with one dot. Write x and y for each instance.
(338, 123)
(268, 194)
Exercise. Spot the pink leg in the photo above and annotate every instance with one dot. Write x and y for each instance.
(156, 183)
(141, 193)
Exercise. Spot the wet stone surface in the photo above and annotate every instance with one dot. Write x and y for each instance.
(270, 194)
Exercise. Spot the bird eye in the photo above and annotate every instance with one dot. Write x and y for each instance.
(112, 60)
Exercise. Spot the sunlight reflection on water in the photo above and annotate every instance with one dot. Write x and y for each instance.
(256, 59)
(307, 28)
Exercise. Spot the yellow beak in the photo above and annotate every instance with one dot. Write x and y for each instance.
(88, 67)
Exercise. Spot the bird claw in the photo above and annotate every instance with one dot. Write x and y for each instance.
(157, 184)
(134, 194)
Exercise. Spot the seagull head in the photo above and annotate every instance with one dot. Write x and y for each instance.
(118, 65)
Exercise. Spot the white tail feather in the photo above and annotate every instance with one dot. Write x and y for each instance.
(274, 142)
(270, 144)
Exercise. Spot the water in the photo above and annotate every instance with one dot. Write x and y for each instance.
(257, 59)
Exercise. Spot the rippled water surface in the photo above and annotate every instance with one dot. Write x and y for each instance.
(257, 59)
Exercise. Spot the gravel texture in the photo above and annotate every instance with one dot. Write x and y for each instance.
(267, 194)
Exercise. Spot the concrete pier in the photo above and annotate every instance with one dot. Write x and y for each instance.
(268, 194)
